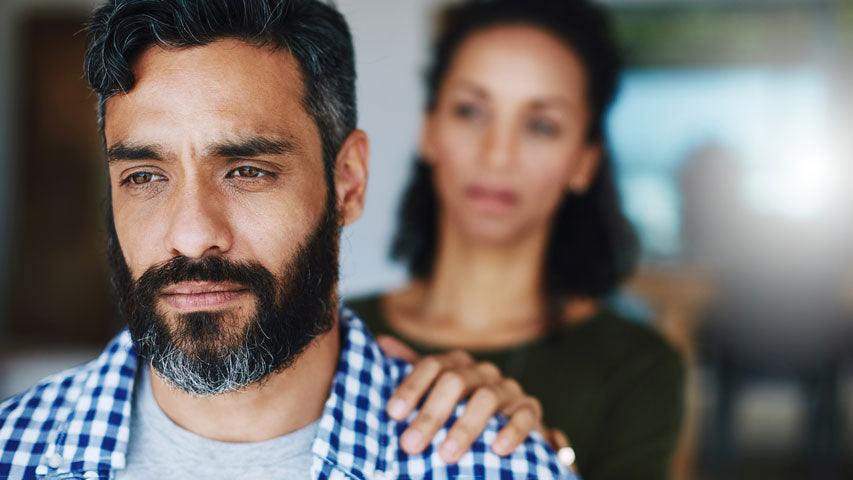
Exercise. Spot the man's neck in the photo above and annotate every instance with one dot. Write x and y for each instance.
(281, 404)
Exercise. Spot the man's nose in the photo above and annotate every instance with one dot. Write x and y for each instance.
(198, 223)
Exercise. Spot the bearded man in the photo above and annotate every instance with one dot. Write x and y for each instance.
(234, 161)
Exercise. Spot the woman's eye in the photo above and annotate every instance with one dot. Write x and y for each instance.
(141, 178)
(247, 172)
(467, 110)
(544, 127)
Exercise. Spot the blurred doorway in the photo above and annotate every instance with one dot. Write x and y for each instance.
(58, 275)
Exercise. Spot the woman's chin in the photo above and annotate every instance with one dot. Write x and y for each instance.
(494, 231)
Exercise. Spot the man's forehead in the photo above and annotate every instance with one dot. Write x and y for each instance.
(225, 53)
(216, 91)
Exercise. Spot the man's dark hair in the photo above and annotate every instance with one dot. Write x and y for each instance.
(592, 248)
(314, 33)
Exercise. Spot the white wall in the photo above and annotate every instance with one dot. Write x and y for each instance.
(391, 45)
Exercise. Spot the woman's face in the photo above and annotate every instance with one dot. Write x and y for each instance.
(507, 137)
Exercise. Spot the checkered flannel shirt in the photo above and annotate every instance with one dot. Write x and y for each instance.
(76, 424)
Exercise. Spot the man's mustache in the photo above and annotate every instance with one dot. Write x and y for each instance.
(251, 275)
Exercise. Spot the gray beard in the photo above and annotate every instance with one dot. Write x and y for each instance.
(238, 363)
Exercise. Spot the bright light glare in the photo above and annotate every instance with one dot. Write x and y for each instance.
(800, 186)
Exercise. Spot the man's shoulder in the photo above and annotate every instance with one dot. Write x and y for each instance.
(34, 422)
(361, 434)
(46, 399)
(532, 459)
(34, 419)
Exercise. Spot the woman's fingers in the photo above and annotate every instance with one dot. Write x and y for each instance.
(486, 400)
(424, 374)
(520, 401)
(450, 388)
(395, 348)
(557, 439)
(450, 378)
(489, 398)
(524, 417)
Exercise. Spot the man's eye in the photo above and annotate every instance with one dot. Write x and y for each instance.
(247, 172)
(140, 178)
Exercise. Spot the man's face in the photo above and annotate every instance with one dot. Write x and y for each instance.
(220, 207)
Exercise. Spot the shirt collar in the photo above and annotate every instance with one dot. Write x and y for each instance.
(94, 434)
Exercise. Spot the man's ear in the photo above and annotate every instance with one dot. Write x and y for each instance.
(351, 176)
(581, 174)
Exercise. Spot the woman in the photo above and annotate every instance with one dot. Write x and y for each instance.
(512, 232)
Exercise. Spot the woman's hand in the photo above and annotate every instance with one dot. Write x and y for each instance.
(453, 377)
(560, 443)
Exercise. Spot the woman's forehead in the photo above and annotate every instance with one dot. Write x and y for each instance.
(518, 61)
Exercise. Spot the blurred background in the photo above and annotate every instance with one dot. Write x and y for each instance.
(732, 141)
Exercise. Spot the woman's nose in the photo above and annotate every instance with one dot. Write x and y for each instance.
(499, 148)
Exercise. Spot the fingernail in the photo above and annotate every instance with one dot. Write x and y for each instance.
(397, 408)
(449, 449)
(502, 446)
(411, 439)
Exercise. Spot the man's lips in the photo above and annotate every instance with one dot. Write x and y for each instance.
(202, 295)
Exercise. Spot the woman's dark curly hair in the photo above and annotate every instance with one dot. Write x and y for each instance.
(592, 248)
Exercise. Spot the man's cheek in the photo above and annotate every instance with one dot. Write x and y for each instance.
(136, 250)
(276, 233)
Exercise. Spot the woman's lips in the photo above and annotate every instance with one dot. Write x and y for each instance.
(194, 296)
(491, 198)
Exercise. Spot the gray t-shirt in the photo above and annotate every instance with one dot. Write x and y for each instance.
(158, 448)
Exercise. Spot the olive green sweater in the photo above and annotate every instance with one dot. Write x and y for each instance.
(615, 387)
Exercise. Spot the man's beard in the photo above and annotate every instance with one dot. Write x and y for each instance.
(211, 352)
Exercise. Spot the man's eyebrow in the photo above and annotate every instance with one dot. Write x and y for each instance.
(252, 147)
(122, 151)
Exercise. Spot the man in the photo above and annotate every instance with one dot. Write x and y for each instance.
(233, 162)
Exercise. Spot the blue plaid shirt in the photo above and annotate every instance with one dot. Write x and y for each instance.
(76, 424)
